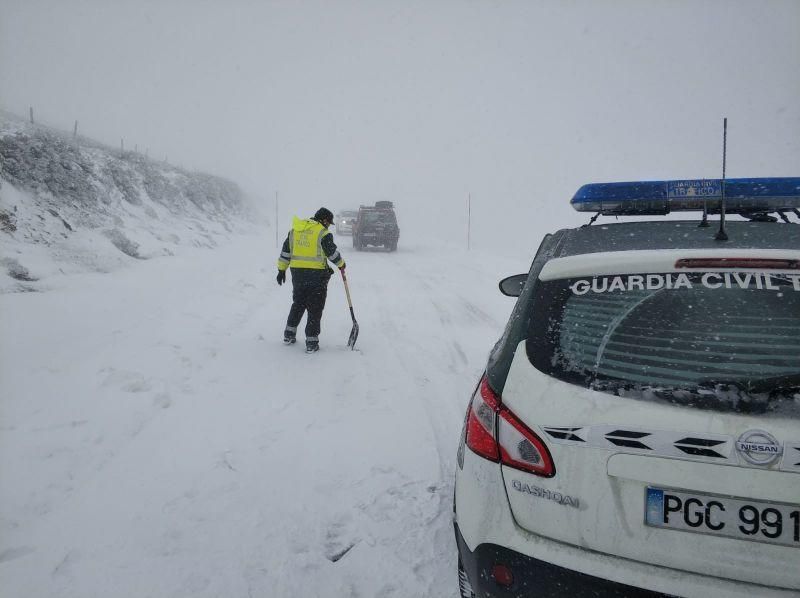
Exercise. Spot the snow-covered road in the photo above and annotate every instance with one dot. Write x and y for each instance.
(158, 439)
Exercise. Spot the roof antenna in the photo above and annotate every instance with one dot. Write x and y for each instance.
(721, 234)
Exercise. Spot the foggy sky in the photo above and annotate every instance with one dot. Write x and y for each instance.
(420, 102)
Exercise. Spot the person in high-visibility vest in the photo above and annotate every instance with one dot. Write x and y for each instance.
(306, 251)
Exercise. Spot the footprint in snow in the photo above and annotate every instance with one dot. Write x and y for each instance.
(338, 541)
(14, 553)
(163, 400)
(126, 381)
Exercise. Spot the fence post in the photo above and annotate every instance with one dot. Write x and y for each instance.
(277, 238)
(31, 112)
(469, 218)
(75, 130)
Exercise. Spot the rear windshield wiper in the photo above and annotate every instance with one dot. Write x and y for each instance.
(783, 383)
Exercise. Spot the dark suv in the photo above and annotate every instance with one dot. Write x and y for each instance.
(377, 226)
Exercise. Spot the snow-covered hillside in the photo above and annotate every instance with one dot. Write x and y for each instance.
(70, 204)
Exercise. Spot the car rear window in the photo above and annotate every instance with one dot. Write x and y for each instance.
(379, 217)
(728, 341)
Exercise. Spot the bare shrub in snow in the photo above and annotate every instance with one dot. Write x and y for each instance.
(123, 243)
(8, 221)
(16, 270)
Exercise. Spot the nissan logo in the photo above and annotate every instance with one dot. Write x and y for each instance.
(759, 447)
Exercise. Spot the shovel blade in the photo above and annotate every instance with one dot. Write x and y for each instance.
(351, 342)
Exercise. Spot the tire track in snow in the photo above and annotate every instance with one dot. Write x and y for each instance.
(432, 374)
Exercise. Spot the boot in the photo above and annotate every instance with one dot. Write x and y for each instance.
(312, 346)
(289, 337)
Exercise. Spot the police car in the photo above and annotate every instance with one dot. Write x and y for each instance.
(637, 429)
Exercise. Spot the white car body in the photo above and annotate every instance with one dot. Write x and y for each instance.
(344, 222)
(607, 450)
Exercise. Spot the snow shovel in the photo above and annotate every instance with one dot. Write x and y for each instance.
(351, 342)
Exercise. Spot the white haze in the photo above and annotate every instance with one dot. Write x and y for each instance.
(157, 438)
(423, 103)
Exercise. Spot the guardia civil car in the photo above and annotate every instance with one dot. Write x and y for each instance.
(637, 429)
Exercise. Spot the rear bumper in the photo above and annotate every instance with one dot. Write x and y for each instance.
(486, 530)
(377, 239)
(534, 577)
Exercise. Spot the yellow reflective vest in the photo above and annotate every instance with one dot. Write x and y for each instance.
(305, 244)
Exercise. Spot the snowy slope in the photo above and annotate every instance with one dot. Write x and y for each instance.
(157, 439)
(73, 205)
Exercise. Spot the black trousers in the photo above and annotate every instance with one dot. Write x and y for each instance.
(309, 292)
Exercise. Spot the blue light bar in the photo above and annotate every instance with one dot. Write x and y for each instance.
(742, 196)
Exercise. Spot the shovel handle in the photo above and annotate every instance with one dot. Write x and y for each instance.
(347, 290)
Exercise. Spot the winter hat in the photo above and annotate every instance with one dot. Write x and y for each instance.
(323, 214)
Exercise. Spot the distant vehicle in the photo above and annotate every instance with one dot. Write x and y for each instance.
(344, 221)
(377, 226)
(637, 428)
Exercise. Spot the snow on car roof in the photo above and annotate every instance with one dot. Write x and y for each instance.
(676, 234)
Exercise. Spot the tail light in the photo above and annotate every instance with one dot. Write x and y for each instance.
(482, 422)
(495, 433)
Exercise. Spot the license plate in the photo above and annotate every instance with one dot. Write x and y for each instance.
(754, 520)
